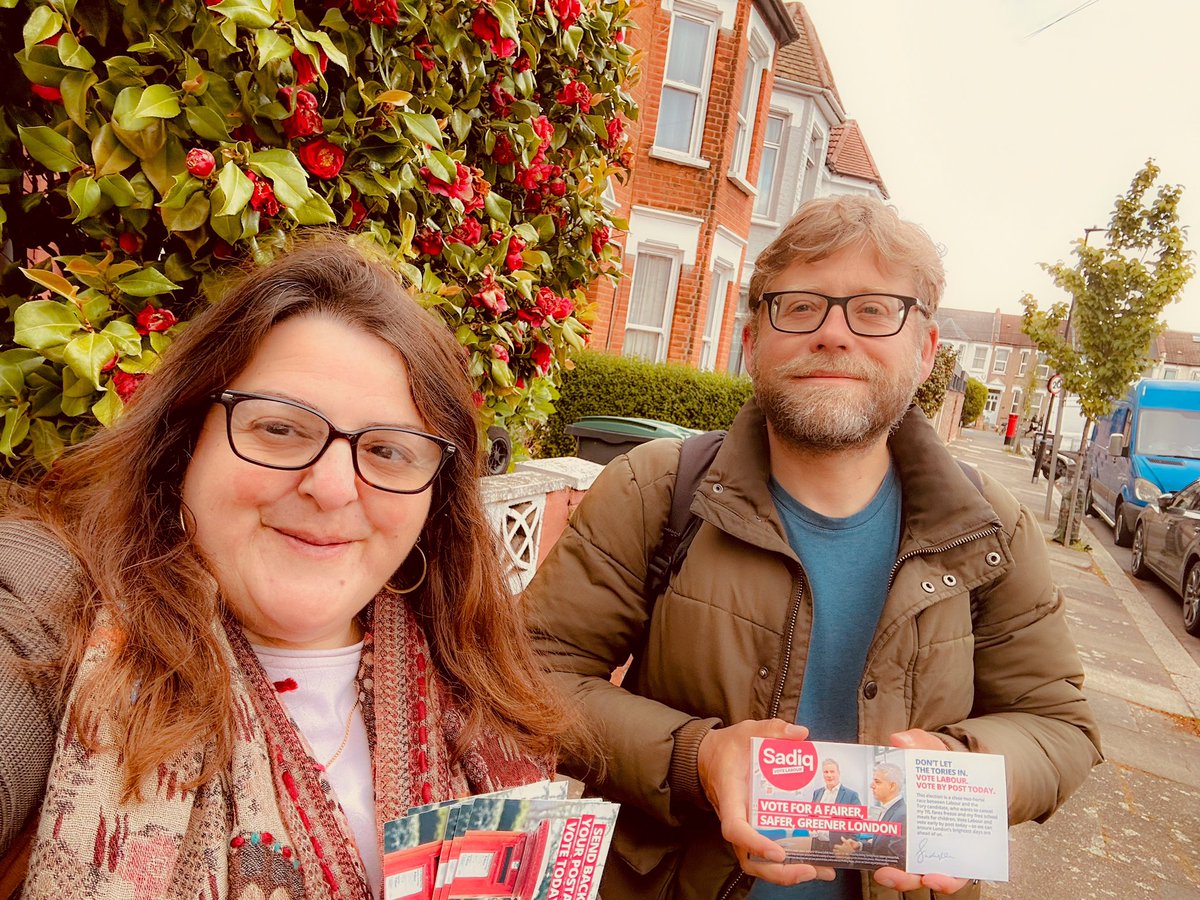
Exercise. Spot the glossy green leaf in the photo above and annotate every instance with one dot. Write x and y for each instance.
(75, 89)
(16, 428)
(147, 282)
(247, 13)
(207, 123)
(49, 148)
(508, 16)
(287, 175)
(73, 54)
(117, 189)
(442, 166)
(47, 443)
(45, 323)
(336, 56)
(52, 281)
(87, 354)
(498, 209)
(195, 214)
(158, 101)
(42, 23)
(109, 155)
(271, 46)
(12, 380)
(85, 195)
(124, 337)
(460, 124)
(313, 212)
(108, 408)
(236, 190)
(423, 127)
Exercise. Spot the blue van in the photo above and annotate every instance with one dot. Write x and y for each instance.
(1148, 446)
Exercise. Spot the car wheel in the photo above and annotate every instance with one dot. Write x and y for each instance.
(1191, 600)
(1122, 536)
(1089, 508)
(1137, 562)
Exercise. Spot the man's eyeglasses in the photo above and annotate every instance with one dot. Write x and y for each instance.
(283, 434)
(868, 315)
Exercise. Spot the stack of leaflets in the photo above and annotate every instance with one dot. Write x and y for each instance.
(528, 843)
(862, 807)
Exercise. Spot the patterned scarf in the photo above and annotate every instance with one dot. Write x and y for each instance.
(271, 827)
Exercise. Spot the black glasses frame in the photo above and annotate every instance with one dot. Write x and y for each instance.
(771, 298)
(230, 399)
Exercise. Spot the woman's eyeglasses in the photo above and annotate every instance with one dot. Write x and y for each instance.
(282, 434)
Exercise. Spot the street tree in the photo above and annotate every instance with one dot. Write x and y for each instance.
(932, 392)
(1100, 339)
(974, 401)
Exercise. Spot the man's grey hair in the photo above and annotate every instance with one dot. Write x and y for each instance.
(891, 772)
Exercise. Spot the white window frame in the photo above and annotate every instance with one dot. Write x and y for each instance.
(1024, 363)
(1000, 362)
(1015, 408)
(675, 257)
(1170, 373)
(977, 364)
(710, 340)
(993, 401)
(766, 204)
(758, 53)
(691, 156)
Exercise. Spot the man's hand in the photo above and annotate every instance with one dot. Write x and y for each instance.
(916, 739)
(723, 762)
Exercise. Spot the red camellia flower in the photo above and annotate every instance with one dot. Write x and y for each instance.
(200, 162)
(499, 352)
(306, 70)
(263, 199)
(460, 190)
(563, 307)
(619, 35)
(359, 212)
(599, 239)
(222, 250)
(503, 153)
(577, 93)
(130, 242)
(616, 133)
(467, 232)
(512, 260)
(486, 27)
(321, 158)
(420, 49)
(305, 119)
(522, 63)
(154, 319)
(501, 99)
(381, 12)
(541, 354)
(428, 241)
(125, 383)
(490, 295)
(47, 92)
(542, 127)
(566, 11)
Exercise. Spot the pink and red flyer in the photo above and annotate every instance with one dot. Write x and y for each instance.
(862, 807)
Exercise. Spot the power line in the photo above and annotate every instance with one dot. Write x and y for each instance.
(1080, 8)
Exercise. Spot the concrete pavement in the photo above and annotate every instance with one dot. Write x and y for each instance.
(1133, 829)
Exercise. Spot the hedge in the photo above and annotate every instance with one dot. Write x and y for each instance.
(602, 385)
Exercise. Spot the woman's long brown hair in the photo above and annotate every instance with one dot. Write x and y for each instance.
(115, 502)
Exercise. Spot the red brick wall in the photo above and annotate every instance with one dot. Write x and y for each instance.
(707, 194)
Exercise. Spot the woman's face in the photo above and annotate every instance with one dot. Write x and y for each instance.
(299, 554)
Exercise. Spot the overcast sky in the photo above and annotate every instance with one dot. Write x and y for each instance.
(1005, 143)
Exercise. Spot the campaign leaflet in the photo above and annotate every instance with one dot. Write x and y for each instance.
(863, 807)
(524, 844)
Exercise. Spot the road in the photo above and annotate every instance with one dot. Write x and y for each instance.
(1164, 601)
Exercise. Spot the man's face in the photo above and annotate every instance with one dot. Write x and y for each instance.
(830, 773)
(883, 789)
(832, 389)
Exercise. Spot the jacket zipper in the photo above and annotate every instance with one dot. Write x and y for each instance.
(950, 545)
(788, 642)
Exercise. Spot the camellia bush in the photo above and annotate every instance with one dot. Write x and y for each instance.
(149, 146)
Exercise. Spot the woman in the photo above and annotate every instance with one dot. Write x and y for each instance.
(267, 607)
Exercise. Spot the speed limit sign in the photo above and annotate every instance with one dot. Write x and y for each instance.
(1054, 384)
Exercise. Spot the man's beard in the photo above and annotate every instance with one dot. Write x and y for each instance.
(828, 418)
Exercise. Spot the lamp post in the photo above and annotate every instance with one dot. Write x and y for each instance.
(1062, 404)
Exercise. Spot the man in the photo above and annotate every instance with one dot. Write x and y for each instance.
(885, 788)
(849, 581)
(833, 792)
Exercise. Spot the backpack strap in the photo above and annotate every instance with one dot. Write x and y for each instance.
(696, 454)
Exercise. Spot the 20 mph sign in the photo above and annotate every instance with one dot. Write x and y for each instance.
(1054, 384)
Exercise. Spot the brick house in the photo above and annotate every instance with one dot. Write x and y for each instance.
(698, 148)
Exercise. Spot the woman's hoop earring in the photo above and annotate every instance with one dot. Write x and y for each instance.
(182, 521)
(387, 585)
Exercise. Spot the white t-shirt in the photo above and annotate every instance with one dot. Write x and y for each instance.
(320, 704)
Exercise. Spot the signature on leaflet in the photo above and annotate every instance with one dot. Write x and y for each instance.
(924, 853)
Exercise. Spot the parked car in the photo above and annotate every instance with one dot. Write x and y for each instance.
(1166, 542)
(1148, 446)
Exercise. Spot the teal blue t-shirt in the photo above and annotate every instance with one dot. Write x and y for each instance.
(847, 564)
